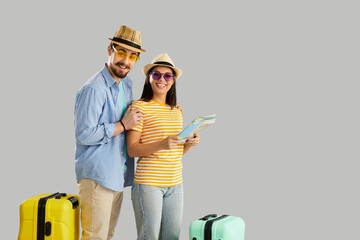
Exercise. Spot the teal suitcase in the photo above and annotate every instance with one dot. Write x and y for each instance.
(217, 227)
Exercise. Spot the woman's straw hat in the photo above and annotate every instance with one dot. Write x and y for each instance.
(162, 60)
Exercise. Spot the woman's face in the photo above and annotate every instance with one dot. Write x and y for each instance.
(159, 85)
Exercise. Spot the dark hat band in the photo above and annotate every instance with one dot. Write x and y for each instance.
(131, 44)
(164, 63)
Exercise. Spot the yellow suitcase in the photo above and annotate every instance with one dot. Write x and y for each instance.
(50, 217)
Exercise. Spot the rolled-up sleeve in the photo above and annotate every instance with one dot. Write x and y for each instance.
(88, 109)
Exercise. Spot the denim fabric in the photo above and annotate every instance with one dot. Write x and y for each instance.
(158, 211)
(99, 156)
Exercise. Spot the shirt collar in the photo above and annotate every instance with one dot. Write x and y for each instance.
(109, 80)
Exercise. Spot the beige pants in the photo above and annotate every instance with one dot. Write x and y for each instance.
(100, 209)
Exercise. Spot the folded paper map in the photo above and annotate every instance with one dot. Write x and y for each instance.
(196, 125)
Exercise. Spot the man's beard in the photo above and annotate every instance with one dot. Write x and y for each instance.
(117, 73)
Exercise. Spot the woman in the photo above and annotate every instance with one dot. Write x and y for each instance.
(157, 192)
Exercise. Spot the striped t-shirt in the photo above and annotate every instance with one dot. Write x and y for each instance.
(162, 168)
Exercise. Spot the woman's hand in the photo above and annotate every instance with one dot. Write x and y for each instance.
(170, 142)
(193, 141)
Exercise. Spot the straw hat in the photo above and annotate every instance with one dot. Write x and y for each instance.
(128, 38)
(162, 60)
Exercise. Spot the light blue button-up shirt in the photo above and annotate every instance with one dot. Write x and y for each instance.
(99, 156)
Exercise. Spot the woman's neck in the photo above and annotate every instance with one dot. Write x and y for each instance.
(160, 99)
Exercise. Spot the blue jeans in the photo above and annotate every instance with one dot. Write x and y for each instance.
(158, 211)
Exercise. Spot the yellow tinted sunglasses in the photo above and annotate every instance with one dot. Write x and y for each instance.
(121, 54)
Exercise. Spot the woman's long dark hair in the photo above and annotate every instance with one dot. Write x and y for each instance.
(148, 93)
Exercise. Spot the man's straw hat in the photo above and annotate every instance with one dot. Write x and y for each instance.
(128, 38)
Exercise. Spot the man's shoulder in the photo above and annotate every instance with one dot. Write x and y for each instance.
(96, 82)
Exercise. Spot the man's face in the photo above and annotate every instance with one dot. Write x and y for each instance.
(121, 60)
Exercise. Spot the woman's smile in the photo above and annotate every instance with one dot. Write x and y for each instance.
(161, 85)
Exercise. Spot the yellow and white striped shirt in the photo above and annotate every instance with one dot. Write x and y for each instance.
(162, 168)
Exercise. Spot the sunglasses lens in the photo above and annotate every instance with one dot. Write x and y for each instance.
(121, 54)
(168, 77)
(133, 58)
(156, 75)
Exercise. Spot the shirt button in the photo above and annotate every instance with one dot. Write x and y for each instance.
(122, 152)
(122, 138)
(122, 167)
(115, 97)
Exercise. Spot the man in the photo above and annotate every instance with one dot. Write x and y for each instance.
(102, 115)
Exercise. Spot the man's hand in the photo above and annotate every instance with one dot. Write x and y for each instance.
(131, 118)
(179, 107)
(170, 142)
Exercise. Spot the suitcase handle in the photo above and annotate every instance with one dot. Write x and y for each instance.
(59, 195)
(74, 202)
(41, 216)
(208, 227)
(208, 216)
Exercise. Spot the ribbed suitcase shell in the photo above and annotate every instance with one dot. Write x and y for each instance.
(61, 217)
(217, 227)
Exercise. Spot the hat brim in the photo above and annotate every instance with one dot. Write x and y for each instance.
(147, 67)
(127, 46)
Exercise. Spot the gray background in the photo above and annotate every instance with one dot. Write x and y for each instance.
(282, 77)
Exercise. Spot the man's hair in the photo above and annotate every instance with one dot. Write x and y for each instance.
(148, 93)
